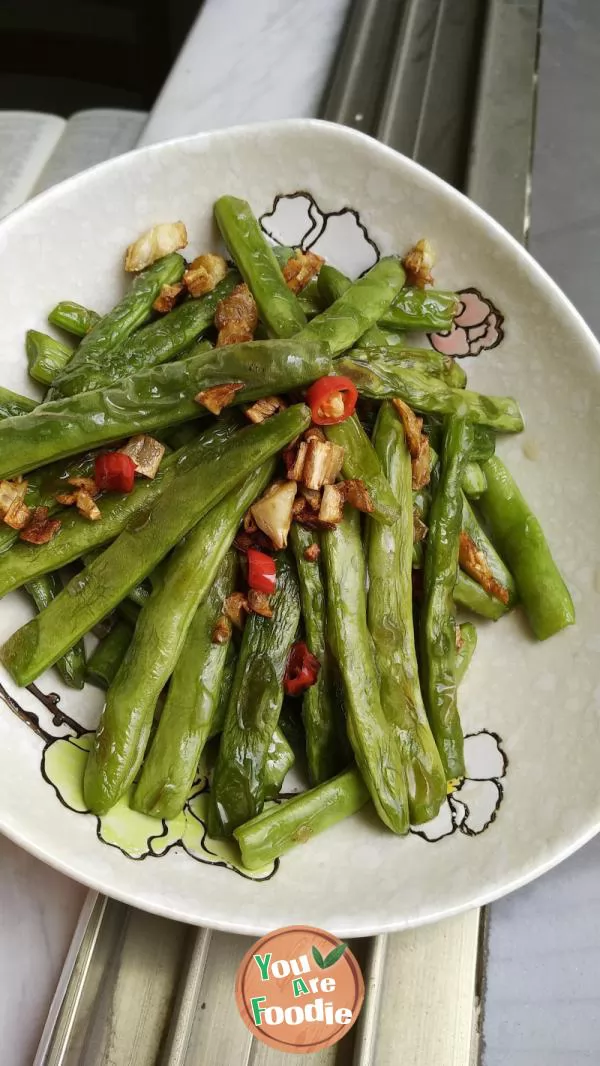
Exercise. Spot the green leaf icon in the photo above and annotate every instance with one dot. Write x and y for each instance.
(316, 954)
(334, 955)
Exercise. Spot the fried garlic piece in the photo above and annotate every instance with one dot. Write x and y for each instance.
(259, 603)
(358, 496)
(155, 243)
(219, 396)
(82, 500)
(167, 297)
(235, 609)
(322, 463)
(418, 263)
(40, 528)
(204, 274)
(265, 408)
(146, 453)
(274, 511)
(221, 633)
(13, 511)
(236, 317)
(332, 504)
(474, 563)
(301, 269)
(312, 553)
(294, 457)
(417, 443)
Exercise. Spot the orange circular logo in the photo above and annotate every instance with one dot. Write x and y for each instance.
(299, 989)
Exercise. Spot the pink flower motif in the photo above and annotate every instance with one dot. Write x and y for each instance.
(476, 328)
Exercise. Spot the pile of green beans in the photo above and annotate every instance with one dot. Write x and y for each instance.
(380, 722)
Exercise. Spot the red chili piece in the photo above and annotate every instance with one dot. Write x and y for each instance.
(331, 399)
(262, 575)
(114, 472)
(302, 669)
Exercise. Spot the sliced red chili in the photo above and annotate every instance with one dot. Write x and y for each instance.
(114, 472)
(262, 575)
(331, 399)
(302, 669)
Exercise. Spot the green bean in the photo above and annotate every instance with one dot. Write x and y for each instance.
(238, 787)
(107, 657)
(280, 828)
(470, 595)
(483, 444)
(376, 747)
(79, 537)
(224, 691)
(414, 309)
(359, 308)
(155, 398)
(12, 404)
(496, 566)
(186, 721)
(309, 300)
(473, 482)
(465, 650)
(46, 357)
(438, 630)
(73, 318)
(71, 665)
(379, 379)
(426, 360)
(323, 721)
(390, 618)
(255, 259)
(165, 339)
(519, 536)
(159, 637)
(129, 611)
(128, 315)
(361, 461)
(91, 594)
(280, 759)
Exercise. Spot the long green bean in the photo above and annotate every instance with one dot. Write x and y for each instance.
(376, 747)
(390, 618)
(438, 629)
(256, 261)
(107, 657)
(321, 716)
(128, 315)
(238, 788)
(412, 309)
(379, 379)
(73, 318)
(520, 539)
(297, 821)
(46, 356)
(71, 665)
(359, 308)
(187, 717)
(471, 596)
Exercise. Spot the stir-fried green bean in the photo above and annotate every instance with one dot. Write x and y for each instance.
(438, 628)
(519, 536)
(360, 307)
(73, 318)
(278, 829)
(390, 618)
(255, 260)
(379, 379)
(321, 716)
(187, 717)
(107, 657)
(71, 665)
(238, 788)
(465, 650)
(128, 315)
(411, 309)
(46, 356)
(376, 746)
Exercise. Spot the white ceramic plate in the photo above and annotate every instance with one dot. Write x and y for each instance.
(532, 709)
